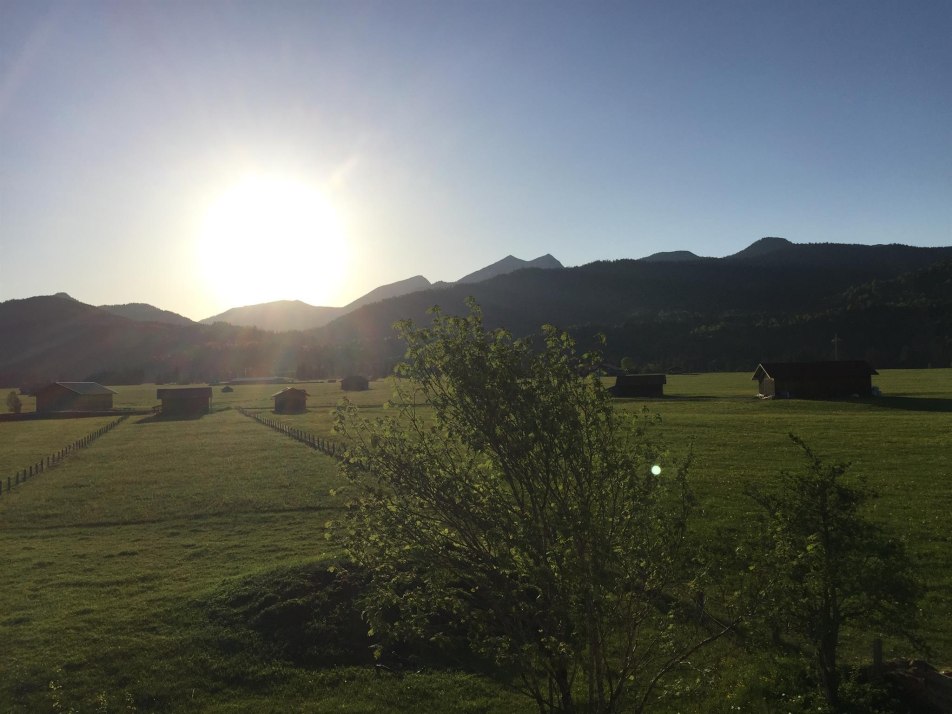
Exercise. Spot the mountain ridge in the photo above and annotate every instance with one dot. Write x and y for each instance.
(671, 256)
(510, 264)
(144, 312)
(283, 315)
(705, 314)
(796, 279)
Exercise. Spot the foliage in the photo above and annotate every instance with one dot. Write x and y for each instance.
(522, 504)
(824, 566)
(14, 404)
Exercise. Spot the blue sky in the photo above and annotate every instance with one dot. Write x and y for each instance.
(445, 135)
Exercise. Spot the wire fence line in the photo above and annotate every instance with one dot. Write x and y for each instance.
(24, 475)
(325, 446)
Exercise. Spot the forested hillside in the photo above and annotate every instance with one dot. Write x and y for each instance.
(773, 301)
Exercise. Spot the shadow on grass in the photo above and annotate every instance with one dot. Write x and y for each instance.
(170, 417)
(913, 404)
(685, 398)
(704, 398)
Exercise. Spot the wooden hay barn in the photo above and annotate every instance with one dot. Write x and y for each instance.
(815, 380)
(639, 385)
(355, 383)
(290, 400)
(74, 397)
(185, 401)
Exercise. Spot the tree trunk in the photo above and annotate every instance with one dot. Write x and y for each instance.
(829, 677)
(565, 692)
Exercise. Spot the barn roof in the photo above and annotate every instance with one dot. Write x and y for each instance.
(286, 390)
(84, 388)
(806, 370)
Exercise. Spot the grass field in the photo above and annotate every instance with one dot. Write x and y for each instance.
(109, 559)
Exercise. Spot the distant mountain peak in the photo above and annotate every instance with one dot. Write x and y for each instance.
(143, 312)
(671, 256)
(510, 264)
(401, 287)
(277, 316)
(283, 315)
(764, 246)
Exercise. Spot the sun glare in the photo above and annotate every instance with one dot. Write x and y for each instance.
(269, 238)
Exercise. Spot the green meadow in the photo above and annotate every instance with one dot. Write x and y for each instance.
(112, 561)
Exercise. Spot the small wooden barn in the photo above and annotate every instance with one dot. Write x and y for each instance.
(73, 397)
(815, 380)
(355, 383)
(639, 385)
(290, 400)
(185, 401)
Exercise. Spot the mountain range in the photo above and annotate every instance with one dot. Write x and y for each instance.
(286, 315)
(774, 300)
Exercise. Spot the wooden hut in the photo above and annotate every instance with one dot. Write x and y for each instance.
(73, 397)
(355, 383)
(290, 400)
(815, 380)
(185, 401)
(639, 385)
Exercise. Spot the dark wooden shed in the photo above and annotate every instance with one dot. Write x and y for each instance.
(354, 383)
(290, 400)
(639, 385)
(815, 380)
(73, 397)
(185, 401)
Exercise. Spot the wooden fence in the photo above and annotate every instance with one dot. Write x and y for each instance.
(53, 459)
(325, 446)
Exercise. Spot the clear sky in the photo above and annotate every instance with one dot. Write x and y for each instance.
(200, 155)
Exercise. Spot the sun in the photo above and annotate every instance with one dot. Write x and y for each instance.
(267, 238)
